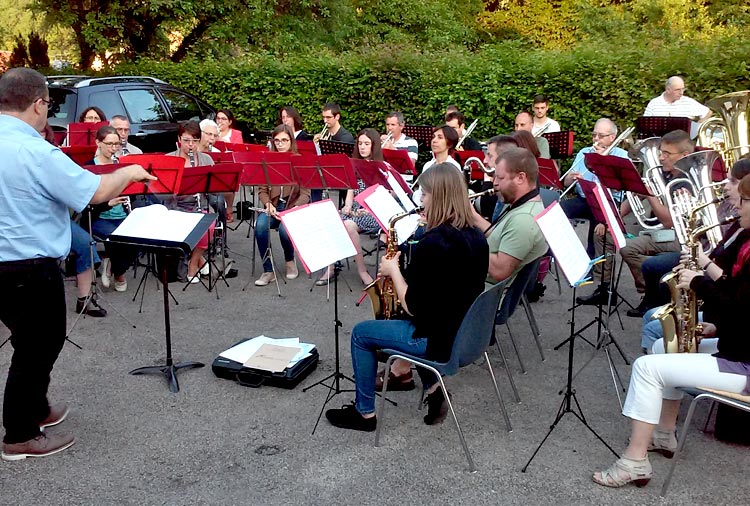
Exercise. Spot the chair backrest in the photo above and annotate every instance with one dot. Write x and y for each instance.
(473, 336)
(515, 291)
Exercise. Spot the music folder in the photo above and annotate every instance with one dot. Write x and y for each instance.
(167, 170)
(159, 227)
(84, 134)
(616, 173)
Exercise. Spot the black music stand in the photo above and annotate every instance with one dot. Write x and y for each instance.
(561, 227)
(420, 133)
(335, 147)
(206, 179)
(560, 144)
(325, 172)
(657, 126)
(162, 248)
(168, 171)
(266, 169)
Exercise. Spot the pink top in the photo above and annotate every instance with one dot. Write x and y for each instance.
(233, 136)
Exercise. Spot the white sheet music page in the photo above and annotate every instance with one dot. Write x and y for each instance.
(318, 234)
(383, 207)
(609, 215)
(562, 239)
(406, 202)
(158, 222)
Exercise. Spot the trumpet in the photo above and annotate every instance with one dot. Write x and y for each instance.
(466, 134)
(474, 159)
(489, 192)
(387, 139)
(324, 135)
(626, 133)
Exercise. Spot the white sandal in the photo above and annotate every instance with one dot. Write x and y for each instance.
(624, 471)
(664, 442)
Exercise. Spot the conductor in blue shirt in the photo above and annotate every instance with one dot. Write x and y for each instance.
(38, 185)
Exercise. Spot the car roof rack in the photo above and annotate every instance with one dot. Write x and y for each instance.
(83, 81)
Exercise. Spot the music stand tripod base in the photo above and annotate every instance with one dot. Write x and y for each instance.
(169, 371)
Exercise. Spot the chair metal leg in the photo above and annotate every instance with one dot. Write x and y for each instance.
(708, 418)
(507, 371)
(497, 392)
(532, 323)
(685, 428)
(381, 408)
(472, 466)
(515, 348)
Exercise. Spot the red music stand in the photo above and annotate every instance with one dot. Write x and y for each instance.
(548, 175)
(370, 171)
(399, 179)
(79, 154)
(307, 148)
(168, 169)
(616, 173)
(588, 188)
(400, 160)
(325, 172)
(220, 145)
(657, 126)
(560, 144)
(83, 134)
(240, 147)
(476, 173)
(420, 133)
(335, 147)
(221, 157)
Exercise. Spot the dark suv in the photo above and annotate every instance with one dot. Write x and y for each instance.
(153, 107)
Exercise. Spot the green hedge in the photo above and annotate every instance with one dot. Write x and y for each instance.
(492, 84)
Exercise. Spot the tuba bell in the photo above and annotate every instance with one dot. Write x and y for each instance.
(647, 153)
(728, 131)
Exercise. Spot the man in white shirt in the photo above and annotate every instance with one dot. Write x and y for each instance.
(543, 123)
(394, 124)
(673, 102)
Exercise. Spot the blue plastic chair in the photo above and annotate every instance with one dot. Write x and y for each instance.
(513, 295)
(471, 342)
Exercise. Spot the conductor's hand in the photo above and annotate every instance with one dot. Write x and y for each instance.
(686, 276)
(117, 200)
(599, 229)
(138, 174)
(389, 266)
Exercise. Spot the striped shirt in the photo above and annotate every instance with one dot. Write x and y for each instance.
(685, 107)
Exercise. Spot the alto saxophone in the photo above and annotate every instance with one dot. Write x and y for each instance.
(383, 296)
(679, 318)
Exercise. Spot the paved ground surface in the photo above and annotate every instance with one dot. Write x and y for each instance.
(216, 442)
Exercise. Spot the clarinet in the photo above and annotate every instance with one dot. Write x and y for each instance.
(124, 148)
(191, 157)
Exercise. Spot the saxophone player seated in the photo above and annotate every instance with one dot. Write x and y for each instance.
(434, 310)
(653, 402)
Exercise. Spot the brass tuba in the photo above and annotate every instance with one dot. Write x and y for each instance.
(728, 132)
(647, 152)
(383, 296)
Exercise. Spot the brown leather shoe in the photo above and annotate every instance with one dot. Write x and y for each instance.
(41, 446)
(57, 413)
(402, 383)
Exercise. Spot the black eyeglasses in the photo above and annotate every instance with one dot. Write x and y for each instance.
(48, 101)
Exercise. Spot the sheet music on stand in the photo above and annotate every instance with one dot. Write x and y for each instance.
(381, 204)
(568, 250)
(318, 234)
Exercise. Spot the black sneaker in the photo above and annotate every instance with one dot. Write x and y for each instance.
(599, 297)
(437, 407)
(349, 418)
(637, 312)
(92, 308)
(536, 293)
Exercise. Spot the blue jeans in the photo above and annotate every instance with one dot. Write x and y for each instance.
(653, 268)
(80, 248)
(651, 331)
(262, 227)
(367, 338)
(120, 256)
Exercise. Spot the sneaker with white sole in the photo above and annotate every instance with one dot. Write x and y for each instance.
(291, 270)
(265, 278)
(121, 286)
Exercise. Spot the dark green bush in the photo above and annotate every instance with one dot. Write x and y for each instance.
(492, 84)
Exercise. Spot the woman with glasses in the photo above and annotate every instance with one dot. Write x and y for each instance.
(227, 132)
(275, 199)
(188, 142)
(356, 218)
(653, 402)
(92, 115)
(108, 216)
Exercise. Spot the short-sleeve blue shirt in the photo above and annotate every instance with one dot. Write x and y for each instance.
(579, 164)
(38, 184)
